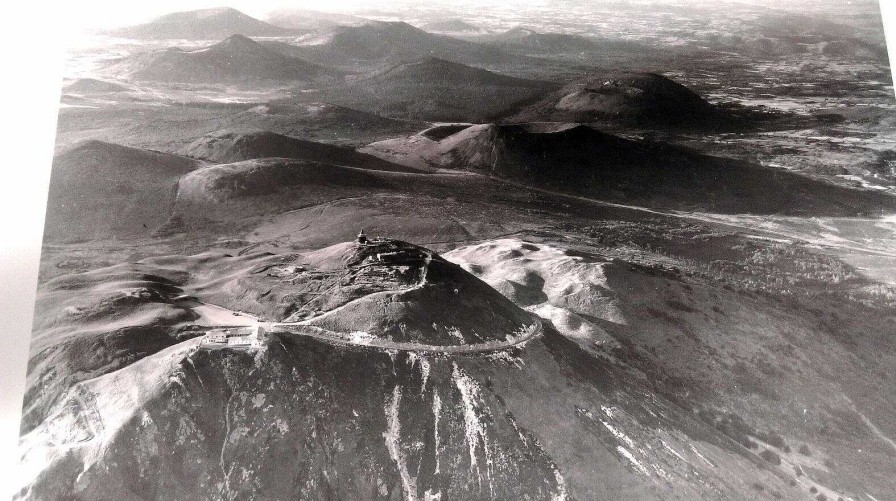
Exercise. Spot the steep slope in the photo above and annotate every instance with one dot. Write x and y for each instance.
(394, 291)
(436, 89)
(299, 419)
(237, 59)
(229, 147)
(639, 99)
(580, 159)
(205, 24)
(779, 377)
(102, 190)
(303, 416)
(94, 323)
(98, 322)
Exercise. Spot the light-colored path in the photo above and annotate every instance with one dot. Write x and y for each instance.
(303, 328)
(339, 339)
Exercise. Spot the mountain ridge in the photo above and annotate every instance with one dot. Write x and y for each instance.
(236, 59)
(203, 24)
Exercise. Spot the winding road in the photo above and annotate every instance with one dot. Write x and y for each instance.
(369, 341)
(364, 339)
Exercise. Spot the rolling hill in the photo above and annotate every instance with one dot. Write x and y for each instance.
(436, 89)
(237, 59)
(311, 20)
(579, 159)
(549, 42)
(229, 147)
(314, 120)
(205, 24)
(378, 43)
(93, 86)
(788, 46)
(851, 49)
(458, 26)
(265, 178)
(633, 99)
(100, 190)
(581, 50)
(237, 196)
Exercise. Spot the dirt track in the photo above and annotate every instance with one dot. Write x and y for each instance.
(384, 344)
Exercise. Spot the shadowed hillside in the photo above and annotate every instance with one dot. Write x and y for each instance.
(237, 59)
(377, 43)
(436, 89)
(103, 190)
(633, 99)
(580, 159)
(164, 127)
(229, 147)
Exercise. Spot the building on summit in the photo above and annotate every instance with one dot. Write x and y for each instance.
(234, 337)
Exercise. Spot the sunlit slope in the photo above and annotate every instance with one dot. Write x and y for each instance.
(228, 147)
(782, 375)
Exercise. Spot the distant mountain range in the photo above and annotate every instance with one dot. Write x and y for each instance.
(527, 40)
(235, 59)
(451, 26)
(303, 19)
(206, 24)
(434, 71)
(436, 89)
(577, 49)
(309, 120)
(378, 43)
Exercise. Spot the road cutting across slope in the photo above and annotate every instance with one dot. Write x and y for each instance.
(368, 338)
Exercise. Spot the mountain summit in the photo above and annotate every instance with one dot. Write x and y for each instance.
(379, 43)
(640, 99)
(233, 60)
(433, 88)
(205, 24)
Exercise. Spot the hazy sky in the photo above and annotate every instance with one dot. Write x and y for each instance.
(111, 13)
(108, 13)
